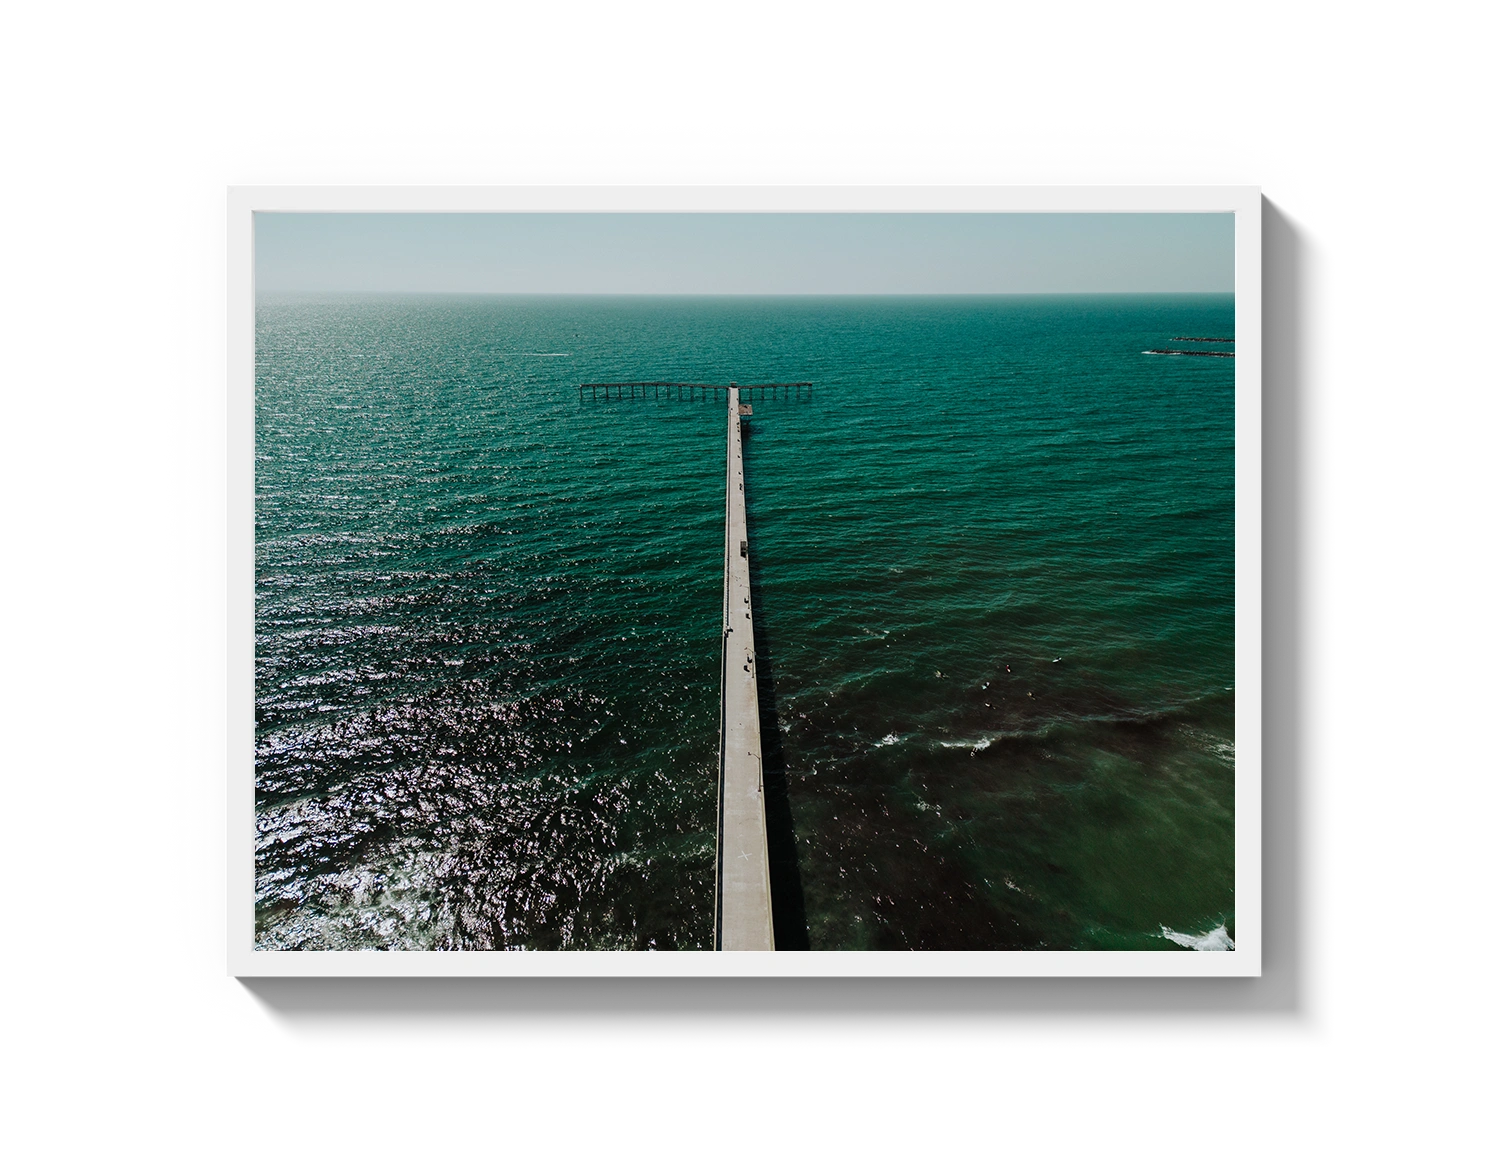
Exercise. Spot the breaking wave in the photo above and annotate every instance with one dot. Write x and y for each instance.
(1216, 939)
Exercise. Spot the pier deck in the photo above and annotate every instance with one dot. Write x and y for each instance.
(742, 910)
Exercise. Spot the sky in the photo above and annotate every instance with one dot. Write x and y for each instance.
(698, 253)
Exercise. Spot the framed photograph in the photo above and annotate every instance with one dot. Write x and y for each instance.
(744, 581)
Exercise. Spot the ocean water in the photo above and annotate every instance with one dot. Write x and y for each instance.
(994, 594)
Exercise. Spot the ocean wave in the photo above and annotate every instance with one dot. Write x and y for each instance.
(1215, 745)
(1059, 726)
(1216, 939)
(975, 746)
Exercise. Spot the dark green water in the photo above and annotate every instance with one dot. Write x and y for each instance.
(994, 597)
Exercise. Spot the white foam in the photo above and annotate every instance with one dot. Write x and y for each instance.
(974, 745)
(1216, 939)
(888, 740)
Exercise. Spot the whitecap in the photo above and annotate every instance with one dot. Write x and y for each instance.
(1216, 939)
(888, 740)
(974, 745)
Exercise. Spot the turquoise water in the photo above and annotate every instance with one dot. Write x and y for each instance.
(993, 564)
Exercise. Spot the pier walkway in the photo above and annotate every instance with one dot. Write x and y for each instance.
(742, 902)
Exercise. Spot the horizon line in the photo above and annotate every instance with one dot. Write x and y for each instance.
(727, 295)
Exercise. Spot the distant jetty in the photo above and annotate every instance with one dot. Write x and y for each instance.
(1220, 340)
(1192, 352)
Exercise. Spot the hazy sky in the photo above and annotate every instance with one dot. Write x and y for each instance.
(744, 253)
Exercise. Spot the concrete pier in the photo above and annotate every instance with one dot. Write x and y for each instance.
(742, 903)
